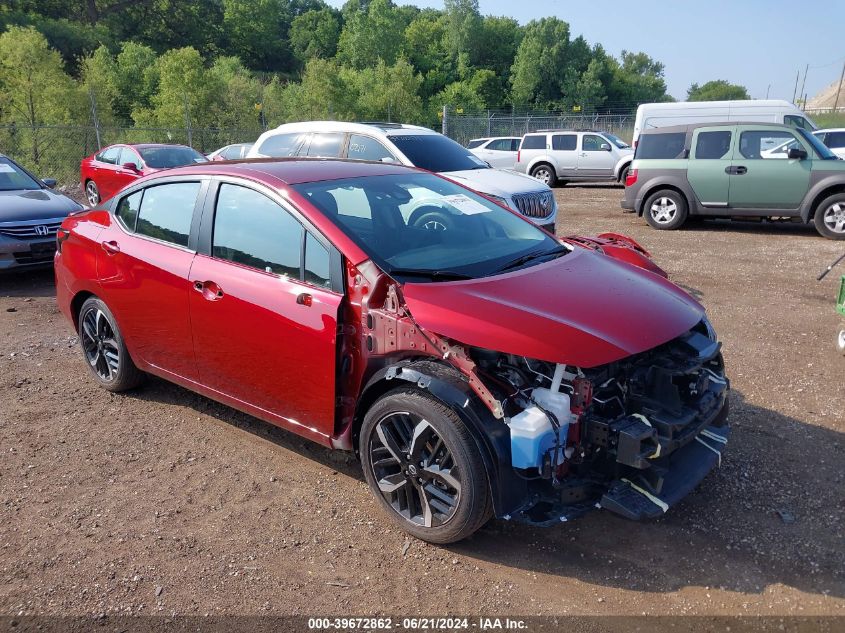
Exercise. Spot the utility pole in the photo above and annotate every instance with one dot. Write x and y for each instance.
(839, 89)
(767, 90)
(795, 89)
(94, 116)
(803, 83)
(188, 120)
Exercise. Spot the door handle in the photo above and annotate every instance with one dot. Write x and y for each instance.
(736, 170)
(111, 247)
(209, 290)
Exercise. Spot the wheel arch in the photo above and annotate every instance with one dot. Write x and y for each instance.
(443, 382)
(545, 158)
(76, 305)
(624, 163)
(651, 188)
(817, 195)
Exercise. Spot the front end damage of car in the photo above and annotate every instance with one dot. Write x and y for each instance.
(629, 418)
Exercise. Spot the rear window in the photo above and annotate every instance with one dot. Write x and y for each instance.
(534, 142)
(282, 145)
(657, 146)
(166, 157)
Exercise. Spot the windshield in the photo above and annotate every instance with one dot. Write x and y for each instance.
(13, 178)
(164, 157)
(421, 227)
(436, 152)
(616, 141)
(821, 149)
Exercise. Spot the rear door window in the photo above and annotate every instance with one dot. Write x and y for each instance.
(713, 145)
(835, 139)
(476, 143)
(129, 156)
(515, 144)
(109, 156)
(167, 211)
(534, 141)
(252, 230)
(661, 146)
(326, 144)
(500, 145)
(564, 142)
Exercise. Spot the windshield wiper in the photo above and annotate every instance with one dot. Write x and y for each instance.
(436, 275)
(524, 259)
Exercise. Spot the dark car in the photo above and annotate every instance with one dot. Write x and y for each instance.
(106, 172)
(478, 369)
(30, 214)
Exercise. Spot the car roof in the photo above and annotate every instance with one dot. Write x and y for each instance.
(830, 129)
(291, 171)
(365, 127)
(670, 129)
(570, 130)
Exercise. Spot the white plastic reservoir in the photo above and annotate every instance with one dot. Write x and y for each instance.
(532, 433)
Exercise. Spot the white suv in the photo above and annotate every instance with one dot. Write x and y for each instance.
(553, 156)
(415, 146)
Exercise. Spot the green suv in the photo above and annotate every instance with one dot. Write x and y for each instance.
(732, 170)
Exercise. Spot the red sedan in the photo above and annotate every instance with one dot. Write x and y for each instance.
(106, 172)
(481, 369)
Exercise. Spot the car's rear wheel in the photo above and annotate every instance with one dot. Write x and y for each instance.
(92, 193)
(103, 348)
(665, 210)
(545, 173)
(424, 467)
(830, 217)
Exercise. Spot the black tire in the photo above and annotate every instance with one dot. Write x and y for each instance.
(665, 210)
(830, 217)
(623, 175)
(92, 192)
(431, 502)
(103, 348)
(840, 342)
(545, 173)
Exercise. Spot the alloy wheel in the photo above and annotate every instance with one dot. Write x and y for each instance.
(434, 225)
(663, 210)
(414, 469)
(834, 217)
(99, 344)
(543, 175)
(92, 193)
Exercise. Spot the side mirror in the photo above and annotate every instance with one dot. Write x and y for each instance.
(796, 153)
(605, 147)
(130, 166)
(50, 182)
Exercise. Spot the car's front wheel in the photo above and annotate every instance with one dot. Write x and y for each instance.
(92, 193)
(830, 217)
(103, 347)
(665, 210)
(424, 467)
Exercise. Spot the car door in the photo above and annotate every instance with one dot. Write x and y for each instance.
(122, 175)
(709, 165)
(264, 309)
(595, 158)
(499, 153)
(565, 153)
(143, 265)
(104, 167)
(759, 182)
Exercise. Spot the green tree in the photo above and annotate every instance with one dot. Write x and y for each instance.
(98, 79)
(36, 89)
(372, 31)
(256, 31)
(500, 39)
(135, 79)
(314, 34)
(464, 28)
(389, 93)
(239, 101)
(637, 79)
(425, 48)
(540, 63)
(460, 97)
(717, 90)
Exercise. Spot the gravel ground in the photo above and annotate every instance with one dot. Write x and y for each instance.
(161, 501)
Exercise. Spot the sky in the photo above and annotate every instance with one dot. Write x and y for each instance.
(760, 44)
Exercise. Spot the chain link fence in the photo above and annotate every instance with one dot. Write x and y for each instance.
(464, 127)
(55, 151)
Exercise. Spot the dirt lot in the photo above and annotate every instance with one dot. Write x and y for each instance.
(161, 501)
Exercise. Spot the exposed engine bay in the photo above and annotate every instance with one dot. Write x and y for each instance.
(612, 435)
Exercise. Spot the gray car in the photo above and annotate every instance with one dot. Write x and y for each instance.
(30, 215)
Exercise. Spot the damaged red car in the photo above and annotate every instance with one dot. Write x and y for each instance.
(477, 365)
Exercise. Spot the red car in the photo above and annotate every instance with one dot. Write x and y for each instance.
(112, 168)
(483, 369)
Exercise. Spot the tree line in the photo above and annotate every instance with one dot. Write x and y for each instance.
(247, 63)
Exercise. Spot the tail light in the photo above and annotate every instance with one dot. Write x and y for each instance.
(61, 236)
(631, 178)
(518, 154)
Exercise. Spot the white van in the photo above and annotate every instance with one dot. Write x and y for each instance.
(654, 115)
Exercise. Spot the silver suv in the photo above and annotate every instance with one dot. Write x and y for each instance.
(561, 156)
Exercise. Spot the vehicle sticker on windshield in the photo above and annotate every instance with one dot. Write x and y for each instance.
(6, 169)
(465, 204)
